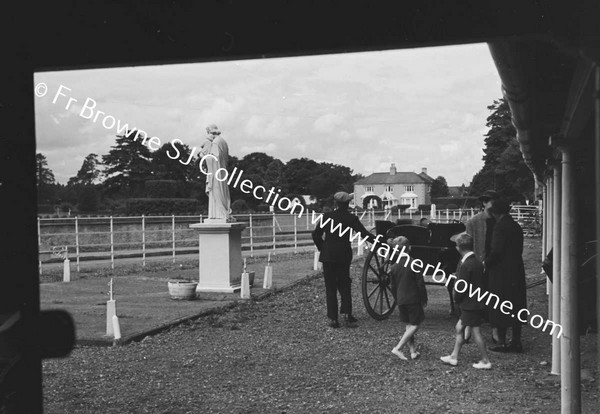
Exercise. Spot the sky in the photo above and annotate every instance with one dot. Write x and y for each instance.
(416, 108)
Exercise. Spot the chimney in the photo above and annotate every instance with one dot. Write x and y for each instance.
(393, 169)
(423, 170)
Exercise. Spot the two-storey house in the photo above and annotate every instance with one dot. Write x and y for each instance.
(388, 189)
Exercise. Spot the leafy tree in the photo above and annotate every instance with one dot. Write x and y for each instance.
(88, 173)
(45, 176)
(439, 187)
(274, 177)
(128, 165)
(298, 173)
(256, 169)
(330, 179)
(504, 169)
(88, 199)
(166, 168)
(47, 188)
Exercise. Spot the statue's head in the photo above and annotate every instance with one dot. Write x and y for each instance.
(212, 131)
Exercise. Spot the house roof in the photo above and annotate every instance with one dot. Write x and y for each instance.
(427, 177)
(398, 178)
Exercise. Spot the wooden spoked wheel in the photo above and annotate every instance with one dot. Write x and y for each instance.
(378, 289)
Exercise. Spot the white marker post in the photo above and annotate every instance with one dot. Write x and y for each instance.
(317, 265)
(245, 291)
(359, 249)
(268, 279)
(116, 327)
(111, 311)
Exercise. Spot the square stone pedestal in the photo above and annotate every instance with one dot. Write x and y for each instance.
(220, 256)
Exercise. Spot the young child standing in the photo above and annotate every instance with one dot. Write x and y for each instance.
(411, 298)
(472, 312)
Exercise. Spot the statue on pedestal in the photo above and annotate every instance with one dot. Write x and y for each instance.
(219, 200)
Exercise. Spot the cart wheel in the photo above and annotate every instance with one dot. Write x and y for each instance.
(377, 287)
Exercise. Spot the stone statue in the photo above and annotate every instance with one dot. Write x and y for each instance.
(219, 200)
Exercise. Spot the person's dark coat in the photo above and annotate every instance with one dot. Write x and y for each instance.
(471, 271)
(505, 269)
(410, 286)
(333, 248)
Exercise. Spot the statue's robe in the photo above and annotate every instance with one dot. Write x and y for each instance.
(219, 200)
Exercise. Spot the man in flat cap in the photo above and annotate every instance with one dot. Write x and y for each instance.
(336, 256)
(480, 227)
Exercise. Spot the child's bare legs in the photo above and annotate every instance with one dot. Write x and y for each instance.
(407, 338)
(467, 333)
(460, 339)
(480, 343)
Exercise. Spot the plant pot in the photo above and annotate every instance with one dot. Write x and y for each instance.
(182, 289)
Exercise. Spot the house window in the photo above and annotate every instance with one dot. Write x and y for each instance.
(409, 188)
(389, 188)
(368, 188)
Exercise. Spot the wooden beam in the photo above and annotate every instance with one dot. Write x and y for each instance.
(580, 102)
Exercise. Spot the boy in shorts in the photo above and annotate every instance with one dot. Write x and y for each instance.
(469, 278)
(411, 298)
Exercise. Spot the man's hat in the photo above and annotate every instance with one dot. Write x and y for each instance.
(488, 195)
(342, 197)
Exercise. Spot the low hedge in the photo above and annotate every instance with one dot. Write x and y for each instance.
(137, 206)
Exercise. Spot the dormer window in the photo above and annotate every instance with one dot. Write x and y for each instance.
(409, 188)
(389, 188)
(369, 189)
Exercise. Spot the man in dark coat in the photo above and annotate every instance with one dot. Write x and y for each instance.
(336, 256)
(506, 275)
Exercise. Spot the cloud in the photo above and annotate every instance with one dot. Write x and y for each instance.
(328, 123)
(415, 107)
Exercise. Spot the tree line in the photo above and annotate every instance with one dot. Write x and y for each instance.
(131, 171)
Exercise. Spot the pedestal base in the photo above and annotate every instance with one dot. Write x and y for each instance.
(220, 256)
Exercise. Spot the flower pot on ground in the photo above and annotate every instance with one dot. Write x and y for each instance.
(182, 289)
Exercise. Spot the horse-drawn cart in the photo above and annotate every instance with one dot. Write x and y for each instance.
(432, 245)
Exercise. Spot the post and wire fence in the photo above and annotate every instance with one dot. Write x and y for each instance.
(165, 237)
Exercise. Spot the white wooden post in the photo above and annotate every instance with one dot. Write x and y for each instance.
(143, 241)
(39, 245)
(421, 212)
(173, 234)
(295, 236)
(112, 249)
(556, 257)
(410, 214)
(77, 241)
(251, 238)
(66, 266)
(447, 216)
(570, 376)
(273, 230)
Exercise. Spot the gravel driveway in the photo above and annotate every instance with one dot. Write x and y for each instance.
(279, 356)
